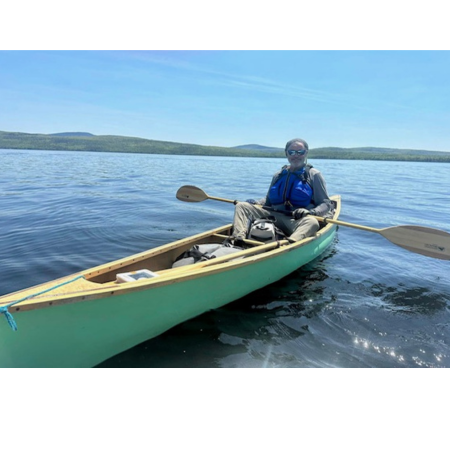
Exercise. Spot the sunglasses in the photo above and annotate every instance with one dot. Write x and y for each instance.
(296, 152)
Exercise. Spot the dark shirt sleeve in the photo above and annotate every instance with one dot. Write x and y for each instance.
(322, 205)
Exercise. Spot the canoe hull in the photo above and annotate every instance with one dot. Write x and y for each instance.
(85, 333)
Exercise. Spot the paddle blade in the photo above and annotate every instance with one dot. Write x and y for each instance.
(191, 194)
(425, 241)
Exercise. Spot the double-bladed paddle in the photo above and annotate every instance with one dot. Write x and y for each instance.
(423, 240)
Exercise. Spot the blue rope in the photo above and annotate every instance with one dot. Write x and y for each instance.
(8, 315)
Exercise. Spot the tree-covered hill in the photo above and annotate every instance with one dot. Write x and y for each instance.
(80, 141)
(122, 144)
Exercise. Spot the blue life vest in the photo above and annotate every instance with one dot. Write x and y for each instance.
(291, 189)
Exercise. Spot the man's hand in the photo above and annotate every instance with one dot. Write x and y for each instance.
(300, 213)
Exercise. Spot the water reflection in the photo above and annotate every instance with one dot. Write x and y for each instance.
(411, 300)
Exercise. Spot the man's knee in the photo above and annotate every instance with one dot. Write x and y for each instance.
(307, 227)
(250, 210)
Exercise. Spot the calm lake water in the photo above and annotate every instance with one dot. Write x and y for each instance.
(365, 303)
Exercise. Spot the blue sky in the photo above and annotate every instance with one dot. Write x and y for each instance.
(398, 99)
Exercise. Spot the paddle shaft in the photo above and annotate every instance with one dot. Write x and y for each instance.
(347, 224)
(423, 240)
(222, 199)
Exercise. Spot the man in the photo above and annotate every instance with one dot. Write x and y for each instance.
(297, 193)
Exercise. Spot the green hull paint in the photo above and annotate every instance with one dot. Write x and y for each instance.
(85, 333)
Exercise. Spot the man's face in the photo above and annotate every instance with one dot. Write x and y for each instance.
(298, 156)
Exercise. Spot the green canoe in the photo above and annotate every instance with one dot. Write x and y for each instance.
(85, 318)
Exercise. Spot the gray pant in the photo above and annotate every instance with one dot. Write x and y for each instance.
(296, 229)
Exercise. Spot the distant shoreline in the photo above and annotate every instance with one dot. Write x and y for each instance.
(81, 141)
